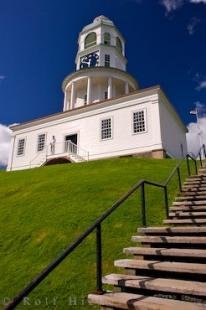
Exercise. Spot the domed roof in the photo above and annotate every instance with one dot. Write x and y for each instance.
(102, 18)
(97, 21)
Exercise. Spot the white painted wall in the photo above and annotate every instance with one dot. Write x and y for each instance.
(87, 126)
(172, 131)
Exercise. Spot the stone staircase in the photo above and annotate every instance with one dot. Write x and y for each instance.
(167, 268)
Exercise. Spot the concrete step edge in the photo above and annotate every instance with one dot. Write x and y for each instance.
(169, 239)
(157, 284)
(194, 253)
(177, 267)
(140, 302)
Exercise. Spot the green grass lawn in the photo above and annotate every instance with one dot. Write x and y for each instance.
(43, 210)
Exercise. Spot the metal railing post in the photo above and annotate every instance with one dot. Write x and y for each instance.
(143, 204)
(166, 201)
(188, 165)
(196, 167)
(179, 179)
(99, 258)
(204, 150)
(200, 156)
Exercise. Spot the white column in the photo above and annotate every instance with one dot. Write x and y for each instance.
(109, 90)
(11, 153)
(89, 90)
(126, 88)
(65, 101)
(73, 90)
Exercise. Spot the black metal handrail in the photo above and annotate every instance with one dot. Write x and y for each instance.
(97, 226)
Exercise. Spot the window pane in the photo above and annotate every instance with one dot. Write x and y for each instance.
(107, 60)
(106, 129)
(41, 142)
(21, 147)
(90, 40)
(139, 121)
(119, 44)
(107, 38)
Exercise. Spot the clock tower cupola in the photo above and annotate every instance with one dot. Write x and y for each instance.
(101, 45)
(100, 67)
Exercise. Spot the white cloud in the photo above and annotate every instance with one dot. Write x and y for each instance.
(172, 5)
(191, 27)
(5, 138)
(201, 85)
(196, 135)
(198, 1)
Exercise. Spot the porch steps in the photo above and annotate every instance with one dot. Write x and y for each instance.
(166, 269)
(168, 239)
(165, 252)
(140, 302)
(157, 284)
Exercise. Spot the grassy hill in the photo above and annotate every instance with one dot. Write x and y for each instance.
(43, 210)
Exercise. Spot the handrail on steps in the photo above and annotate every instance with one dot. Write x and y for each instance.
(96, 226)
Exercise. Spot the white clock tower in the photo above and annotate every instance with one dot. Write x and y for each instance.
(105, 113)
(100, 66)
(101, 44)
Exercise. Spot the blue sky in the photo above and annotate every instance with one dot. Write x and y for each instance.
(165, 44)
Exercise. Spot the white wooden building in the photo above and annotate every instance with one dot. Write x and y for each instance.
(105, 113)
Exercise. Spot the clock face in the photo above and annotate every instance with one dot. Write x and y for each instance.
(89, 60)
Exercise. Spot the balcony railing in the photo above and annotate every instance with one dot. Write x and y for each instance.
(60, 149)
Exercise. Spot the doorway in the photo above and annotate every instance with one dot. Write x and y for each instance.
(73, 146)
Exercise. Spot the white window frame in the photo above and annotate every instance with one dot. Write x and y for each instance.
(145, 121)
(104, 119)
(17, 149)
(40, 134)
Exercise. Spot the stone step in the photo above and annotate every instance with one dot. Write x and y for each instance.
(142, 251)
(177, 267)
(190, 203)
(193, 181)
(196, 184)
(141, 302)
(187, 214)
(197, 176)
(193, 194)
(197, 179)
(169, 239)
(188, 208)
(191, 198)
(185, 221)
(195, 189)
(172, 230)
(157, 284)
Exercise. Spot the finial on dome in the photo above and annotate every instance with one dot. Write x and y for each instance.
(101, 17)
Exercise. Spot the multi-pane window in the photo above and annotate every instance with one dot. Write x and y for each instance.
(106, 128)
(139, 124)
(90, 40)
(85, 99)
(105, 95)
(41, 142)
(107, 38)
(21, 147)
(107, 60)
(119, 44)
